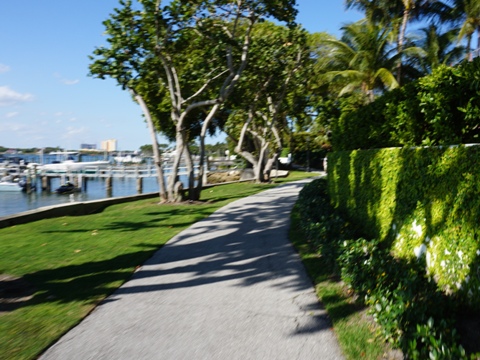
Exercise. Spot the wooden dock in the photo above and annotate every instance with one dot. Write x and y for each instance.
(80, 178)
(41, 178)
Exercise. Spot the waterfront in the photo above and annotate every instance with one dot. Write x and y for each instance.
(50, 158)
(15, 202)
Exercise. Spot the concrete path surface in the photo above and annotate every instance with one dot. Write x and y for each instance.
(229, 287)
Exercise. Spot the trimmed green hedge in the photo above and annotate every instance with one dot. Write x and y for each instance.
(423, 204)
(412, 313)
(440, 109)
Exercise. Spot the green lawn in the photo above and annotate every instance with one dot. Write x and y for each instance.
(75, 262)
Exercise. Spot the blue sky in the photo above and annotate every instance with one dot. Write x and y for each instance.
(46, 97)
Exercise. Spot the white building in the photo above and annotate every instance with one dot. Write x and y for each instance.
(109, 145)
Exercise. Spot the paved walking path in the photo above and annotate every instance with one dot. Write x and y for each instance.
(229, 287)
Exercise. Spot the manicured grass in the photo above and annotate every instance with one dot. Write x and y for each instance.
(354, 331)
(75, 262)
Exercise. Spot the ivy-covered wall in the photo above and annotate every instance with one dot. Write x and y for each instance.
(422, 203)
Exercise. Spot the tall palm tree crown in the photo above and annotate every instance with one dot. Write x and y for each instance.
(366, 58)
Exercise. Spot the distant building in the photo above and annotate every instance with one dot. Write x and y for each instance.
(109, 145)
(88, 146)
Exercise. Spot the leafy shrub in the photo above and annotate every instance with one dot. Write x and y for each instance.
(432, 341)
(412, 312)
(322, 226)
(442, 108)
(419, 203)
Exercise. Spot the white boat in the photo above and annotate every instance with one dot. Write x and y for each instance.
(10, 186)
(12, 169)
(73, 166)
(128, 159)
(68, 164)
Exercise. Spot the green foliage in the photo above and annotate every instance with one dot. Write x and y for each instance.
(440, 109)
(313, 211)
(402, 300)
(421, 204)
(413, 314)
(324, 228)
(147, 149)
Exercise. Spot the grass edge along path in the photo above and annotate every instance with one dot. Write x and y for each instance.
(354, 329)
(72, 263)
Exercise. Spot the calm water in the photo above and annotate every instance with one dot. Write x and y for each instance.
(15, 202)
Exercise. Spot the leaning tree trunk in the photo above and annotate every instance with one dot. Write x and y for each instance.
(270, 163)
(156, 151)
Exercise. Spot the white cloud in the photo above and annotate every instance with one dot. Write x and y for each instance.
(11, 114)
(70, 82)
(10, 97)
(4, 68)
(64, 80)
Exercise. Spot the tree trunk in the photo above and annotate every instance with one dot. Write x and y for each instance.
(190, 171)
(201, 163)
(173, 178)
(269, 166)
(478, 41)
(201, 170)
(401, 41)
(259, 172)
(156, 152)
(469, 47)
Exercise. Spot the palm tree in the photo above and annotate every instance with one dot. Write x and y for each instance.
(438, 48)
(468, 11)
(376, 11)
(364, 59)
(398, 13)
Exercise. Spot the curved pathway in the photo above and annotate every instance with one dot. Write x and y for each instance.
(229, 287)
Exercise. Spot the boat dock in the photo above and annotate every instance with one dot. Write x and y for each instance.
(80, 178)
(42, 179)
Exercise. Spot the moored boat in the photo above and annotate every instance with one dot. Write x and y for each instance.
(66, 188)
(73, 166)
(12, 186)
(68, 164)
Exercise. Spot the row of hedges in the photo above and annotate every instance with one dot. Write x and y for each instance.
(422, 204)
(440, 109)
(412, 314)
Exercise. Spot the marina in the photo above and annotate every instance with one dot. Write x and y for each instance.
(92, 181)
(15, 202)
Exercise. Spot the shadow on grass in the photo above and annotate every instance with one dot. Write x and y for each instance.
(162, 218)
(243, 245)
(90, 281)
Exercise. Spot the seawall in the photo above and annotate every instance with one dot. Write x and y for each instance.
(72, 209)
